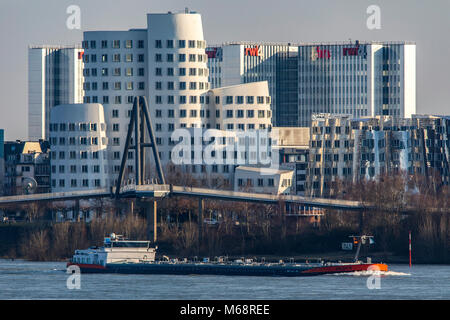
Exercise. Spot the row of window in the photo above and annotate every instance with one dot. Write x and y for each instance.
(170, 85)
(77, 169)
(200, 44)
(328, 144)
(115, 44)
(170, 57)
(330, 171)
(74, 155)
(76, 141)
(202, 72)
(105, 99)
(240, 99)
(77, 183)
(129, 85)
(260, 182)
(116, 57)
(54, 127)
(115, 72)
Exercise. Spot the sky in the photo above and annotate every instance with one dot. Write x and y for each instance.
(25, 22)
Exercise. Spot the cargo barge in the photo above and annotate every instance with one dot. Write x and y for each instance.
(119, 255)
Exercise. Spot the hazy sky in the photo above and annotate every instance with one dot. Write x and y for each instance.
(25, 22)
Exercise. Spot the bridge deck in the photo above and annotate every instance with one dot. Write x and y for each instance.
(160, 191)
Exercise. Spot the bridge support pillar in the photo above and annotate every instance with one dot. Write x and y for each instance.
(76, 210)
(151, 208)
(201, 206)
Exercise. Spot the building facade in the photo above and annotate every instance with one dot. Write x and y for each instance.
(343, 148)
(78, 147)
(358, 79)
(264, 180)
(166, 63)
(243, 62)
(2, 160)
(23, 160)
(54, 77)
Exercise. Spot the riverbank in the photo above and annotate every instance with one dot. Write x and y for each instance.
(250, 231)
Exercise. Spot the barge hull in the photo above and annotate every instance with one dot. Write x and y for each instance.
(227, 270)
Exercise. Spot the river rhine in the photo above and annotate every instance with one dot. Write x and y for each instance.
(48, 280)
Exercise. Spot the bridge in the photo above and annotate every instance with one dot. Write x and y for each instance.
(154, 192)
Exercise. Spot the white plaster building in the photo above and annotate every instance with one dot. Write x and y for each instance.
(264, 180)
(78, 147)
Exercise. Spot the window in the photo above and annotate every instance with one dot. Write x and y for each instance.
(182, 71)
(140, 44)
(129, 57)
(181, 43)
(181, 57)
(158, 44)
(169, 44)
(128, 44)
(116, 44)
(116, 72)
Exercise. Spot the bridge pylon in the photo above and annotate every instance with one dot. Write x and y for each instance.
(140, 124)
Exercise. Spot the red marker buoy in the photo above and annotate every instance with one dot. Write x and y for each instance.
(410, 249)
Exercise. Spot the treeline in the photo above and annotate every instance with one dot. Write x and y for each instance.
(402, 203)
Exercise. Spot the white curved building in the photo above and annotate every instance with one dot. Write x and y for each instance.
(241, 107)
(78, 147)
(177, 74)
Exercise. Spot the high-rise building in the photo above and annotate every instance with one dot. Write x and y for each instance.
(358, 79)
(54, 77)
